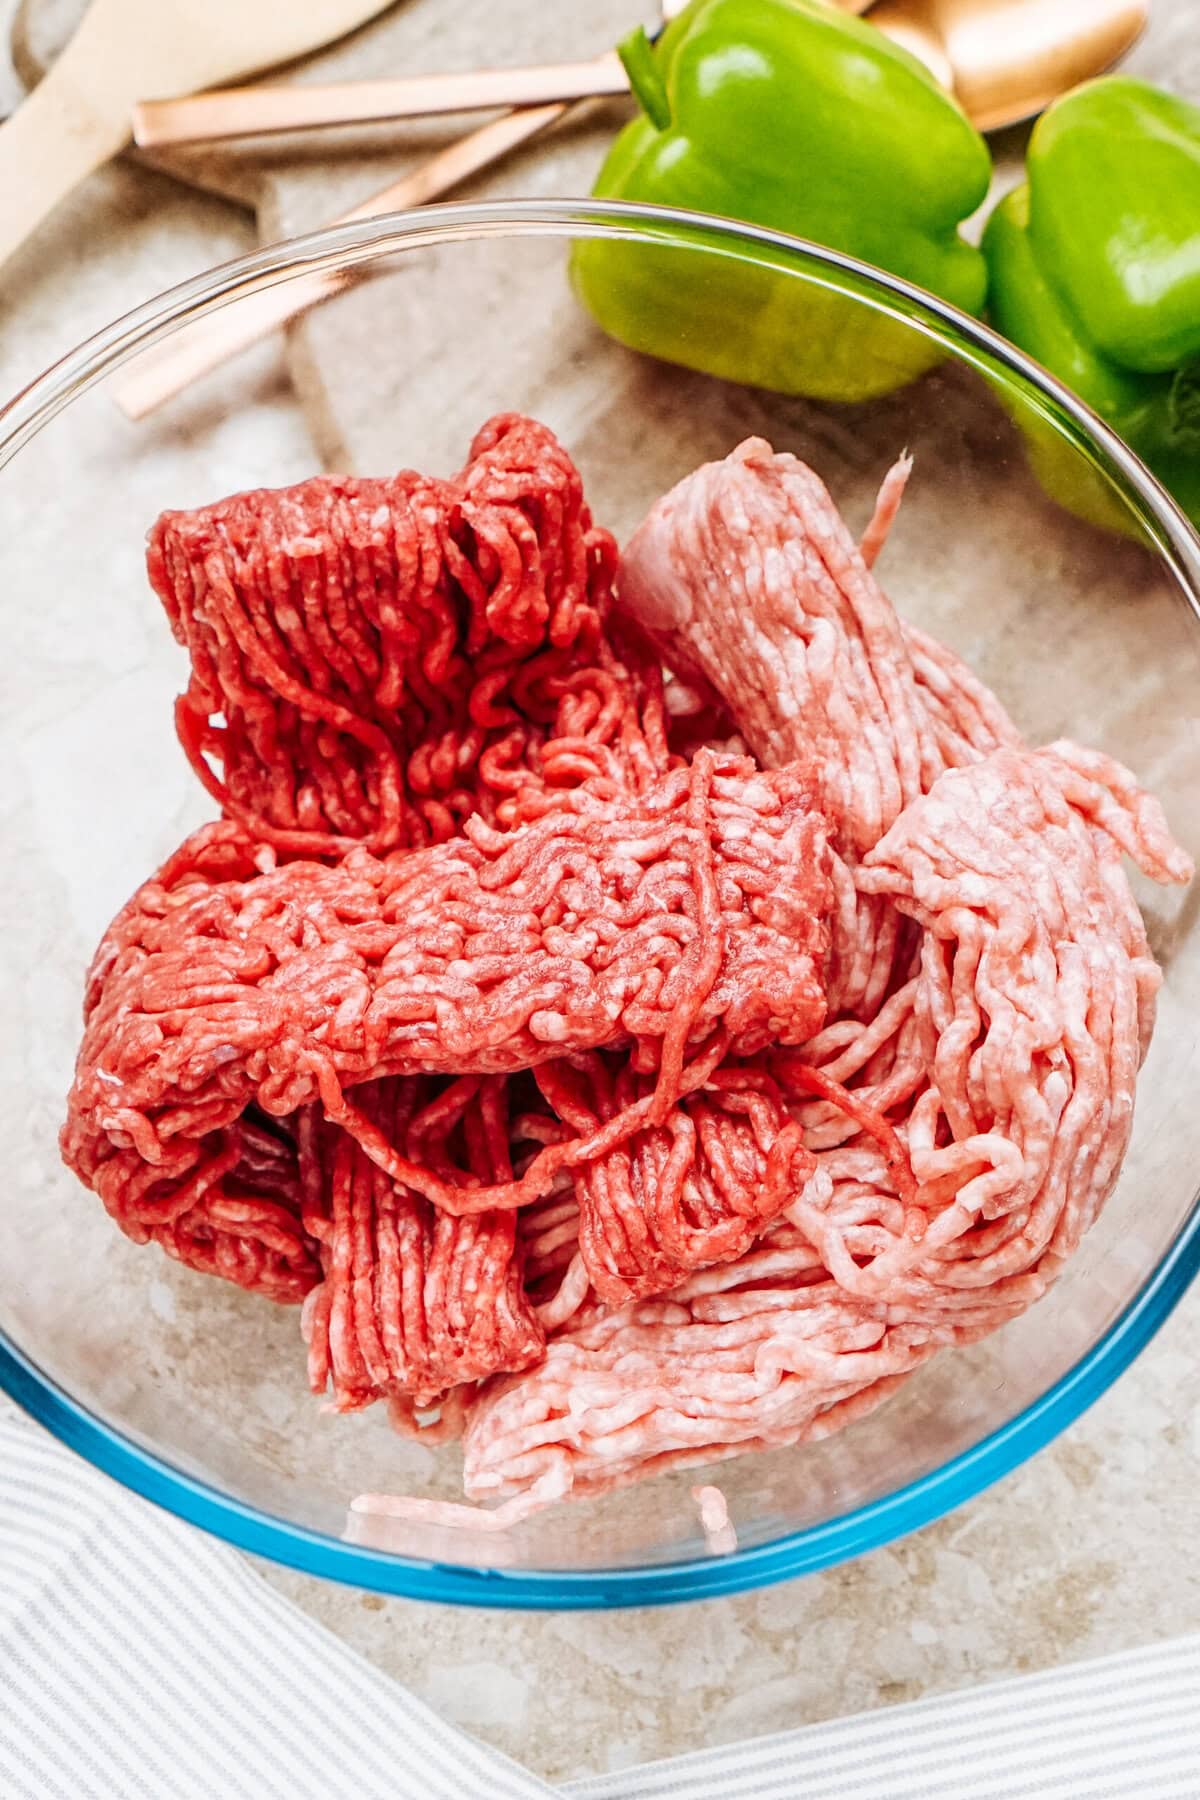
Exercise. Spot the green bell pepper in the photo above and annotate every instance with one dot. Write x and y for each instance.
(1095, 271)
(788, 114)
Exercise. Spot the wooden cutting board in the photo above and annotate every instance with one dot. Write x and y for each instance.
(355, 400)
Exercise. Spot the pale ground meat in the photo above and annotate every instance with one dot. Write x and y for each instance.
(1004, 1042)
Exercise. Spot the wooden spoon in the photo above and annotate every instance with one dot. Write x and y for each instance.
(79, 115)
(1006, 60)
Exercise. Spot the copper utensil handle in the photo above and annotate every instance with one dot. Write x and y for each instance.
(259, 111)
(159, 374)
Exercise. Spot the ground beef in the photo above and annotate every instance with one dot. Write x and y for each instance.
(695, 1190)
(656, 922)
(414, 1301)
(375, 661)
(687, 920)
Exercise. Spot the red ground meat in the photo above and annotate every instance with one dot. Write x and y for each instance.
(229, 1207)
(316, 618)
(226, 1201)
(378, 660)
(375, 661)
(414, 1301)
(693, 912)
(692, 1191)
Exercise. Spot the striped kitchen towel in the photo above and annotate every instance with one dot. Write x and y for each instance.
(139, 1660)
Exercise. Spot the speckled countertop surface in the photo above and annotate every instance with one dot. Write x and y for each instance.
(1093, 1547)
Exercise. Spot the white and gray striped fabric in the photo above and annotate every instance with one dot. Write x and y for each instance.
(1122, 1728)
(139, 1660)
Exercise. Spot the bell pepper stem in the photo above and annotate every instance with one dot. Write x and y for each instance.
(649, 89)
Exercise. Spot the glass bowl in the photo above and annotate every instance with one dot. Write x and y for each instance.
(190, 1391)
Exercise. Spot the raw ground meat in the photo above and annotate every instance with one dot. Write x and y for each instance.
(745, 575)
(375, 661)
(226, 1202)
(661, 922)
(414, 1301)
(748, 581)
(720, 1538)
(1032, 1006)
(693, 1191)
(610, 1102)
(318, 616)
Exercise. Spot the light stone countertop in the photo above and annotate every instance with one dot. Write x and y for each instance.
(1091, 1548)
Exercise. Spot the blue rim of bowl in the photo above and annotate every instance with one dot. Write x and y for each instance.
(867, 1527)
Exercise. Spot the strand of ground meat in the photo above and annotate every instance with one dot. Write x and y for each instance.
(720, 1537)
(376, 661)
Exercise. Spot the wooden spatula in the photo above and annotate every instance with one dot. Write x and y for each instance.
(80, 114)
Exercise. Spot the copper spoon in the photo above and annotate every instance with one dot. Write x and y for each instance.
(1006, 60)
(158, 374)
